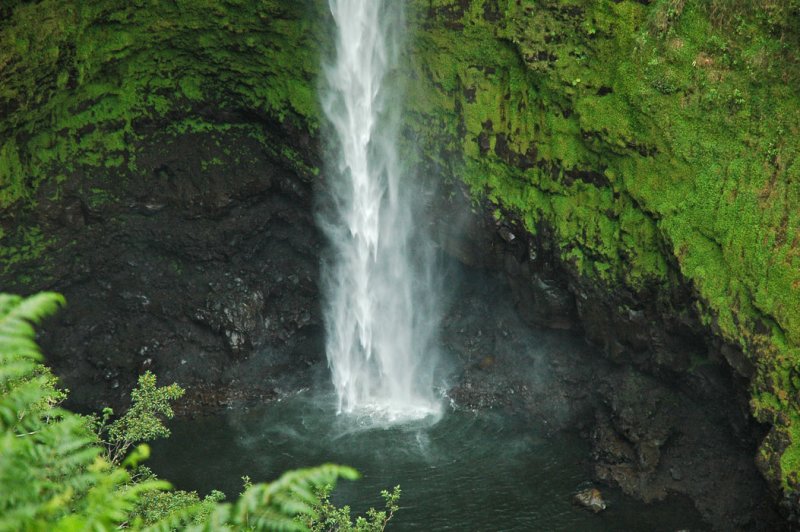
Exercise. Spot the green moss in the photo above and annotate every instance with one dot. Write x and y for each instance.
(99, 197)
(27, 244)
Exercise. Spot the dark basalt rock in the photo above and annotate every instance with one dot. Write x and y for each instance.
(203, 272)
(650, 437)
(237, 312)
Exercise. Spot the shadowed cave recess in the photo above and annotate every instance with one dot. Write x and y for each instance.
(617, 172)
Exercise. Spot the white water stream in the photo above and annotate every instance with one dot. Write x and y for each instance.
(379, 296)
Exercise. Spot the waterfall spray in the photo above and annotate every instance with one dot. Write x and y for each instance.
(379, 296)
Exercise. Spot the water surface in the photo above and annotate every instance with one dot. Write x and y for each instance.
(489, 470)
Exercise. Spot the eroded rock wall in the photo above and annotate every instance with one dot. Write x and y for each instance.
(157, 161)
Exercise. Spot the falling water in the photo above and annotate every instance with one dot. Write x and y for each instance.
(380, 300)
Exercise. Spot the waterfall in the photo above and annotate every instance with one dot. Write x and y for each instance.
(380, 300)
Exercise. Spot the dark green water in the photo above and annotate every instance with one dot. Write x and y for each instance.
(470, 471)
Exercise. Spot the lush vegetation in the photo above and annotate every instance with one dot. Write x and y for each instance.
(62, 471)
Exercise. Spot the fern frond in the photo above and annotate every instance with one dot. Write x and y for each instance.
(275, 506)
(17, 315)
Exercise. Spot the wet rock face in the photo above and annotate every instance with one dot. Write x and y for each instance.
(658, 334)
(476, 239)
(204, 271)
(235, 311)
(651, 437)
(655, 397)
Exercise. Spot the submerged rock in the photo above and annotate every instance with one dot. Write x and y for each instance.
(591, 499)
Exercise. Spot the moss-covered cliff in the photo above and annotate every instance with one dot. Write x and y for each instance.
(655, 141)
(84, 82)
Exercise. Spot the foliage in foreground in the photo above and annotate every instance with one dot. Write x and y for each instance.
(61, 471)
(330, 517)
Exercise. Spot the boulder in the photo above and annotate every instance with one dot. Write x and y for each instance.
(591, 499)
